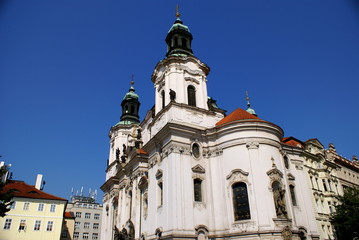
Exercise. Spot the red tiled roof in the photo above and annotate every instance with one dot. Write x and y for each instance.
(21, 189)
(293, 142)
(69, 215)
(347, 163)
(236, 115)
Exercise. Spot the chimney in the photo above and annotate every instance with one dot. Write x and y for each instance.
(38, 181)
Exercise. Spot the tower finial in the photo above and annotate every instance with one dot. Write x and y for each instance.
(132, 79)
(249, 109)
(177, 12)
(247, 99)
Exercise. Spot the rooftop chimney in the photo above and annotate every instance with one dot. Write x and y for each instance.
(38, 181)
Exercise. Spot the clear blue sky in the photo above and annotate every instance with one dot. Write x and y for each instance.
(66, 65)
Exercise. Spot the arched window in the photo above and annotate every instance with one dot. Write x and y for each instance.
(160, 193)
(286, 162)
(184, 42)
(132, 109)
(197, 183)
(240, 201)
(175, 41)
(163, 99)
(292, 195)
(191, 92)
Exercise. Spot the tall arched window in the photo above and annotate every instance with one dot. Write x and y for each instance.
(197, 187)
(184, 42)
(191, 92)
(175, 41)
(240, 202)
(163, 99)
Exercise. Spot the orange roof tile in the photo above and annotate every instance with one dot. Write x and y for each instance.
(236, 115)
(21, 189)
(69, 215)
(141, 151)
(293, 142)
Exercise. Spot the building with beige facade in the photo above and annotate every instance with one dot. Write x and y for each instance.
(34, 214)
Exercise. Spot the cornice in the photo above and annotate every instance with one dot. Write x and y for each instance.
(179, 60)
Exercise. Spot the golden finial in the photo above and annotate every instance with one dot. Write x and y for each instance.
(177, 12)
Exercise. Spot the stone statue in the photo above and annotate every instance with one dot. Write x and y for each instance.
(172, 95)
(117, 154)
(279, 202)
(124, 148)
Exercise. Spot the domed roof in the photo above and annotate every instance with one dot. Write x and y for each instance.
(131, 94)
(251, 111)
(178, 25)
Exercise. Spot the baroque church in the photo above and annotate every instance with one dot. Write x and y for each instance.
(189, 171)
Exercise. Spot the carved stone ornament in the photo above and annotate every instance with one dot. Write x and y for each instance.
(252, 145)
(237, 175)
(244, 226)
(287, 233)
(191, 79)
(275, 173)
(198, 169)
(159, 174)
(290, 177)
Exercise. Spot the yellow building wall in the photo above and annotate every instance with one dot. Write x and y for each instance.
(30, 216)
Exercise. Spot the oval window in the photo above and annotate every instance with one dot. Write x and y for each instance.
(195, 150)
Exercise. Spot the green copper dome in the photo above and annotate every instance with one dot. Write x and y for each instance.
(251, 111)
(131, 94)
(178, 26)
(179, 39)
(130, 108)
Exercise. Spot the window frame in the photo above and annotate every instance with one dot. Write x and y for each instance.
(237, 212)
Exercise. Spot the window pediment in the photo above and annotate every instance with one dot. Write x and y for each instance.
(198, 169)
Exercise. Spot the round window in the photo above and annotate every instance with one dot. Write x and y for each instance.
(195, 150)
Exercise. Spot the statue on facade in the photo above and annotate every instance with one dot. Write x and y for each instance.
(135, 137)
(279, 201)
(172, 95)
(117, 154)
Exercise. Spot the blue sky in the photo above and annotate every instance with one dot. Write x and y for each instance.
(66, 65)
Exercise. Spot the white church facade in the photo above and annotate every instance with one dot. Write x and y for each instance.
(188, 171)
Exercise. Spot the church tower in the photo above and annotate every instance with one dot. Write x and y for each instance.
(119, 141)
(188, 171)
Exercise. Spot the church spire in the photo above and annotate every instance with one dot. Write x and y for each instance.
(249, 109)
(179, 38)
(130, 106)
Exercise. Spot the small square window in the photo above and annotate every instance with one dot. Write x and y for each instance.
(40, 207)
(95, 226)
(52, 208)
(26, 206)
(22, 225)
(97, 216)
(86, 225)
(7, 224)
(50, 225)
(37, 225)
(78, 214)
(13, 205)
(88, 215)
